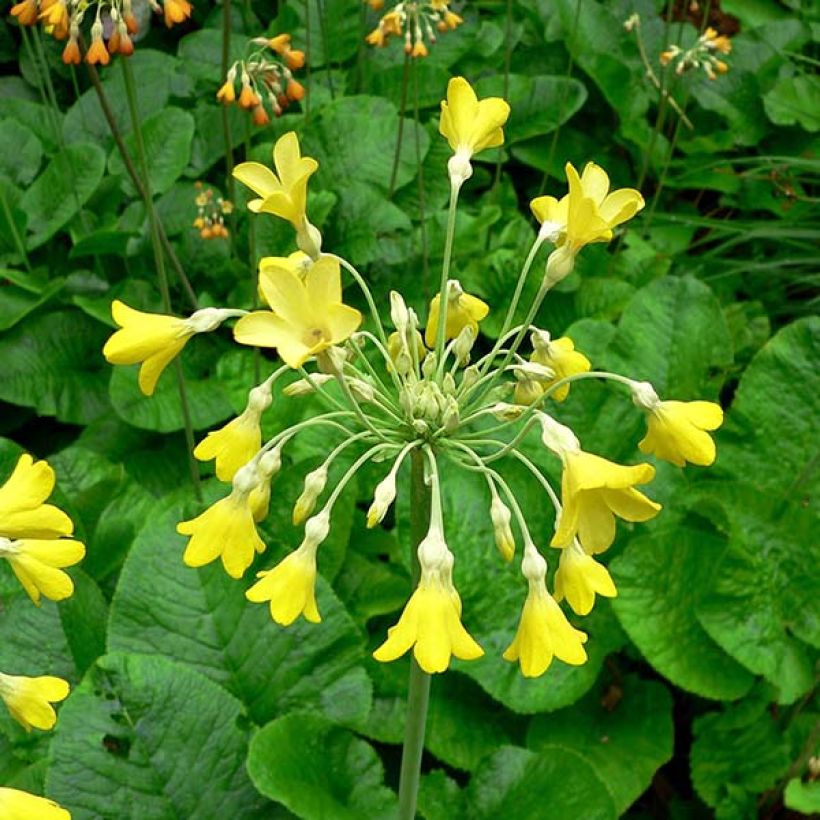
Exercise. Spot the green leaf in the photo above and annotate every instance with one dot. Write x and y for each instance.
(440, 798)
(555, 779)
(61, 190)
(625, 740)
(660, 579)
(319, 770)
(53, 363)
(18, 303)
(538, 104)
(802, 797)
(794, 101)
(147, 732)
(167, 136)
(212, 627)
(84, 616)
(21, 164)
(737, 753)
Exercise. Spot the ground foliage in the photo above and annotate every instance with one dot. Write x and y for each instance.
(187, 701)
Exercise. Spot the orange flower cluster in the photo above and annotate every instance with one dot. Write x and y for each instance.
(263, 79)
(416, 21)
(701, 55)
(211, 211)
(63, 20)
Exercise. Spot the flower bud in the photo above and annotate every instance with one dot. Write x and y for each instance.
(428, 366)
(450, 416)
(398, 312)
(464, 344)
(260, 398)
(361, 390)
(383, 496)
(501, 517)
(559, 265)
(556, 436)
(317, 529)
(506, 412)
(314, 486)
(303, 387)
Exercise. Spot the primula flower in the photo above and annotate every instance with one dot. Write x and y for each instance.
(561, 357)
(38, 565)
(463, 310)
(676, 429)
(543, 633)
(308, 314)
(29, 699)
(587, 214)
(225, 530)
(176, 11)
(579, 577)
(25, 12)
(284, 193)
(470, 125)
(593, 492)
(290, 587)
(23, 513)
(18, 805)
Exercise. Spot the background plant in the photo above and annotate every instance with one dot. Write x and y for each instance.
(699, 695)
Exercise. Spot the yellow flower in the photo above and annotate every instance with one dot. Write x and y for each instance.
(431, 624)
(22, 511)
(290, 587)
(675, 431)
(561, 357)
(235, 444)
(544, 633)
(151, 339)
(225, 530)
(593, 492)
(308, 314)
(579, 577)
(463, 310)
(469, 124)
(284, 193)
(29, 699)
(17, 805)
(38, 565)
(527, 391)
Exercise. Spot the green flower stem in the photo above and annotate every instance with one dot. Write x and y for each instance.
(391, 188)
(159, 260)
(418, 690)
(371, 304)
(15, 234)
(541, 478)
(329, 419)
(445, 275)
(425, 262)
(354, 468)
(388, 362)
(326, 48)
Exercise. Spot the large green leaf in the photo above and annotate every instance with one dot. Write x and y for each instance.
(167, 136)
(53, 363)
(201, 618)
(660, 579)
(625, 740)
(319, 770)
(21, 164)
(794, 100)
(61, 190)
(149, 736)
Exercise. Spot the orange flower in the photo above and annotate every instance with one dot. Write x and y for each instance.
(248, 98)
(71, 53)
(260, 116)
(295, 90)
(176, 11)
(97, 52)
(294, 58)
(25, 12)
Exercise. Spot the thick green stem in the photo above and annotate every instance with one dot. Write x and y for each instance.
(226, 122)
(445, 274)
(418, 692)
(159, 261)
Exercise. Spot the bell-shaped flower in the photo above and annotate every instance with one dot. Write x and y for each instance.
(431, 621)
(463, 310)
(561, 357)
(470, 125)
(284, 193)
(593, 492)
(235, 444)
(19, 805)
(226, 529)
(29, 699)
(154, 339)
(39, 563)
(543, 631)
(501, 516)
(23, 513)
(579, 578)
(676, 430)
(308, 314)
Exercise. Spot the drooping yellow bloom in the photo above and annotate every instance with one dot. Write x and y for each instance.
(593, 492)
(290, 587)
(18, 805)
(463, 310)
(544, 633)
(431, 625)
(676, 431)
(561, 357)
(29, 699)
(284, 193)
(470, 125)
(308, 314)
(151, 339)
(225, 530)
(38, 565)
(23, 513)
(579, 577)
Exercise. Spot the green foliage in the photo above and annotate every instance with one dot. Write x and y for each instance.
(187, 700)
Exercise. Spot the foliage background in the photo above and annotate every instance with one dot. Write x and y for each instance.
(698, 699)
